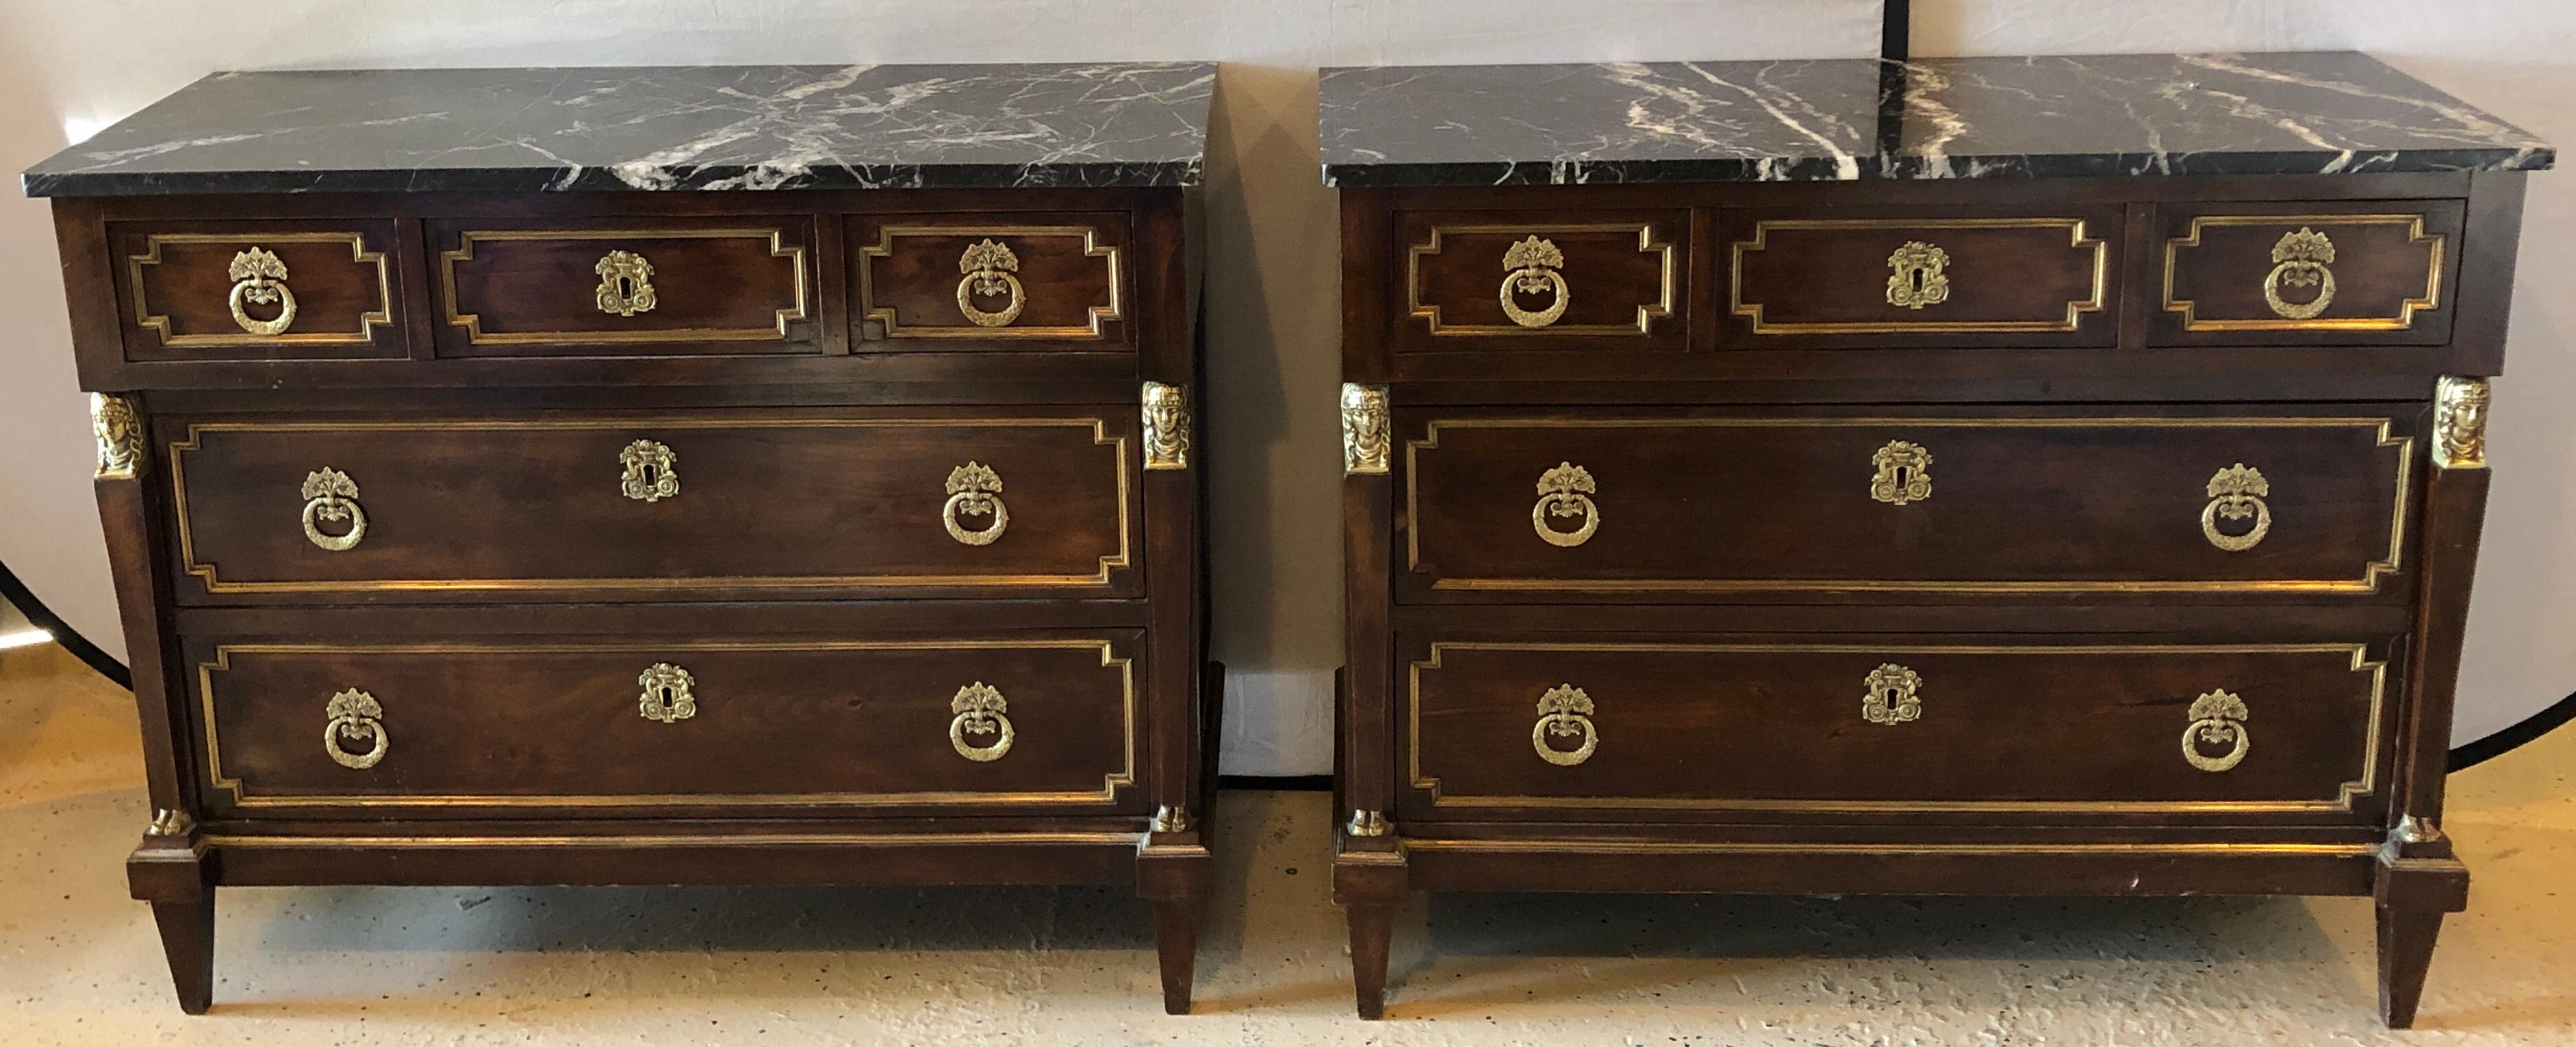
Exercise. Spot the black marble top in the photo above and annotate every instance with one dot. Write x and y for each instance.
(1843, 119)
(705, 127)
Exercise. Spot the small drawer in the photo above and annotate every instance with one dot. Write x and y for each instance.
(1867, 278)
(1713, 727)
(625, 286)
(450, 726)
(2369, 272)
(697, 506)
(928, 282)
(259, 290)
(2242, 501)
(1499, 280)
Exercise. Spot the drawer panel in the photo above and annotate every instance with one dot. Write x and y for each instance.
(1010, 282)
(2343, 273)
(1642, 507)
(1488, 280)
(652, 507)
(1865, 277)
(258, 290)
(737, 284)
(565, 727)
(2019, 725)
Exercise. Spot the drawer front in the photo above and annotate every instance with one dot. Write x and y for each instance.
(2342, 273)
(653, 507)
(1856, 724)
(623, 286)
(1009, 282)
(258, 290)
(564, 728)
(1939, 278)
(1516, 280)
(1643, 507)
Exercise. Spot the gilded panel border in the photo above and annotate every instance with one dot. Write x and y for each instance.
(2365, 784)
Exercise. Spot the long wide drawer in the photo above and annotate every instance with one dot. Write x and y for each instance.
(693, 505)
(568, 727)
(1554, 726)
(1643, 506)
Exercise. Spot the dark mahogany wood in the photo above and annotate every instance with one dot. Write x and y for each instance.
(776, 502)
(508, 595)
(2395, 266)
(1626, 276)
(2104, 500)
(1072, 269)
(478, 726)
(1741, 581)
(174, 289)
(1791, 713)
(1821, 277)
(532, 287)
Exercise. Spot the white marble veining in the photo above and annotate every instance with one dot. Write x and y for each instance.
(699, 127)
(1846, 119)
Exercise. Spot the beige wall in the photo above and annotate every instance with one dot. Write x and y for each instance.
(68, 68)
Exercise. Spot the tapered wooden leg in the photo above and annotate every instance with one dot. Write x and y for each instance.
(2413, 894)
(2406, 936)
(188, 939)
(1372, 931)
(1176, 938)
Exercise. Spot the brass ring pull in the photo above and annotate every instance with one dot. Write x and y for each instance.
(331, 497)
(1566, 491)
(652, 471)
(1893, 695)
(1530, 268)
(259, 278)
(980, 708)
(669, 693)
(988, 266)
(2299, 260)
(625, 284)
(354, 716)
(1564, 712)
(1918, 279)
(1904, 473)
(974, 489)
(2236, 493)
(2217, 718)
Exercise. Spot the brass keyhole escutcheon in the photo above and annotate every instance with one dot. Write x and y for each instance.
(1565, 712)
(330, 496)
(980, 711)
(1902, 473)
(2299, 259)
(1893, 695)
(2236, 493)
(625, 284)
(974, 489)
(259, 278)
(1565, 492)
(989, 266)
(1531, 267)
(652, 471)
(355, 716)
(2217, 719)
(670, 693)
(1918, 278)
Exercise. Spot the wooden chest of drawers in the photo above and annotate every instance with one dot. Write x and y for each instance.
(848, 534)
(2077, 534)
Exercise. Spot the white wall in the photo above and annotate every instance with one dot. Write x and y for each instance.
(67, 68)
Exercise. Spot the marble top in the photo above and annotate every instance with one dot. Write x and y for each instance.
(2329, 112)
(700, 127)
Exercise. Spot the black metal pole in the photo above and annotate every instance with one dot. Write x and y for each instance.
(1895, 46)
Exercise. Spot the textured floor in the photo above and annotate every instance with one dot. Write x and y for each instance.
(353, 966)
